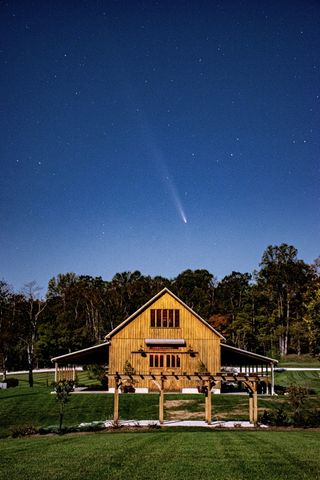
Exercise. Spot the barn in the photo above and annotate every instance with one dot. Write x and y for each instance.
(166, 346)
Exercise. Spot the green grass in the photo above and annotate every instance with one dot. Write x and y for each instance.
(299, 361)
(36, 406)
(164, 455)
(46, 378)
(307, 379)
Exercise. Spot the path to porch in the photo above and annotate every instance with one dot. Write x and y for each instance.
(183, 423)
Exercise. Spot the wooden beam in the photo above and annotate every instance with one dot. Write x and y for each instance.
(250, 407)
(255, 404)
(116, 400)
(209, 414)
(205, 406)
(197, 376)
(161, 401)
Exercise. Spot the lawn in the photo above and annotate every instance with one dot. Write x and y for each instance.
(164, 455)
(307, 379)
(36, 406)
(307, 361)
(161, 454)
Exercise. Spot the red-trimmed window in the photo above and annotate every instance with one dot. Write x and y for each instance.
(165, 318)
(164, 361)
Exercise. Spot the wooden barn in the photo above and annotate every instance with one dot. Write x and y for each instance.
(167, 338)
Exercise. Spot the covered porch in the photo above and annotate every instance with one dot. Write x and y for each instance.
(240, 366)
(65, 365)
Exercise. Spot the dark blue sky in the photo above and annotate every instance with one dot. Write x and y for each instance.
(157, 136)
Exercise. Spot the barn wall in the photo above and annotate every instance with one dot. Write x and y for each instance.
(196, 334)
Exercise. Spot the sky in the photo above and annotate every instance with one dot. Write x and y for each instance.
(157, 135)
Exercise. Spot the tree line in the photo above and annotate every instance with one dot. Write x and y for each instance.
(272, 311)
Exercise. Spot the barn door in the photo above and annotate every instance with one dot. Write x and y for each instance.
(166, 363)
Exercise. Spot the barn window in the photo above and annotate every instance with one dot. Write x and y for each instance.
(165, 318)
(152, 318)
(173, 361)
(167, 361)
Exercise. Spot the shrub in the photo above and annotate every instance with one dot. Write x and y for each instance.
(280, 390)
(12, 382)
(312, 419)
(277, 418)
(84, 427)
(23, 431)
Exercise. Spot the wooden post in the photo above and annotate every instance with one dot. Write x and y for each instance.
(272, 379)
(209, 415)
(56, 372)
(205, 407)
(116, 400)
(255, 404)
(161, 401)
(250, 407)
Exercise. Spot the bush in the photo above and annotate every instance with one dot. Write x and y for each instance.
(84, 427)
(312, 419)
(280, 390)
(12, 382)
(277, 418)
(23, 431)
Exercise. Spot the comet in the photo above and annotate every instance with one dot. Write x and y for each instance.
(163, 169)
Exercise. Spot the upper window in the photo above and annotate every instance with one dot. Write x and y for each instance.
(164, 318)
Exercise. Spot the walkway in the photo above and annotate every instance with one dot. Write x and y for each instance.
(182, 423)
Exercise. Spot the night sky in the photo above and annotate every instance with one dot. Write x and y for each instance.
(157, 136)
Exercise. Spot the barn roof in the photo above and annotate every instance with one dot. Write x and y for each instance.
(97, 354)
(149, 303)
(237, 356)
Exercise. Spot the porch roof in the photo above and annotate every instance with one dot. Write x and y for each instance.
(97, 354)
(232, 356)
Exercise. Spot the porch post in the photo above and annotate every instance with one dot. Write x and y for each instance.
(161, 400)
(208, 399)
(116, 401)
(255, 404)
(272, 379)
(250, 407)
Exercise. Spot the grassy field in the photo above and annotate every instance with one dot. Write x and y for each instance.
(307, 379)
(164, 455)
(46, 378)
(299, 361)
(36, 406)
(25, 406)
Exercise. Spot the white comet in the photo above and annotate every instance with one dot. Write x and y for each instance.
(176, 198)
(163, 170)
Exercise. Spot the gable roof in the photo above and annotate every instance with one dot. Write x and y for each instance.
(149, 303)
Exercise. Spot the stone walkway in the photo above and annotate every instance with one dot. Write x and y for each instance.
(183, 423)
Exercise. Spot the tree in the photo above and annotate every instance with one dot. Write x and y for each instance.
(63, 389)
(8, 327)
(32, 307)
(197, 289)
(234, 301)
(283, 278)
(312, 317)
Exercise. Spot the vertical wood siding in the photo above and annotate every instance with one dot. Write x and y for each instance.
(195, 333)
